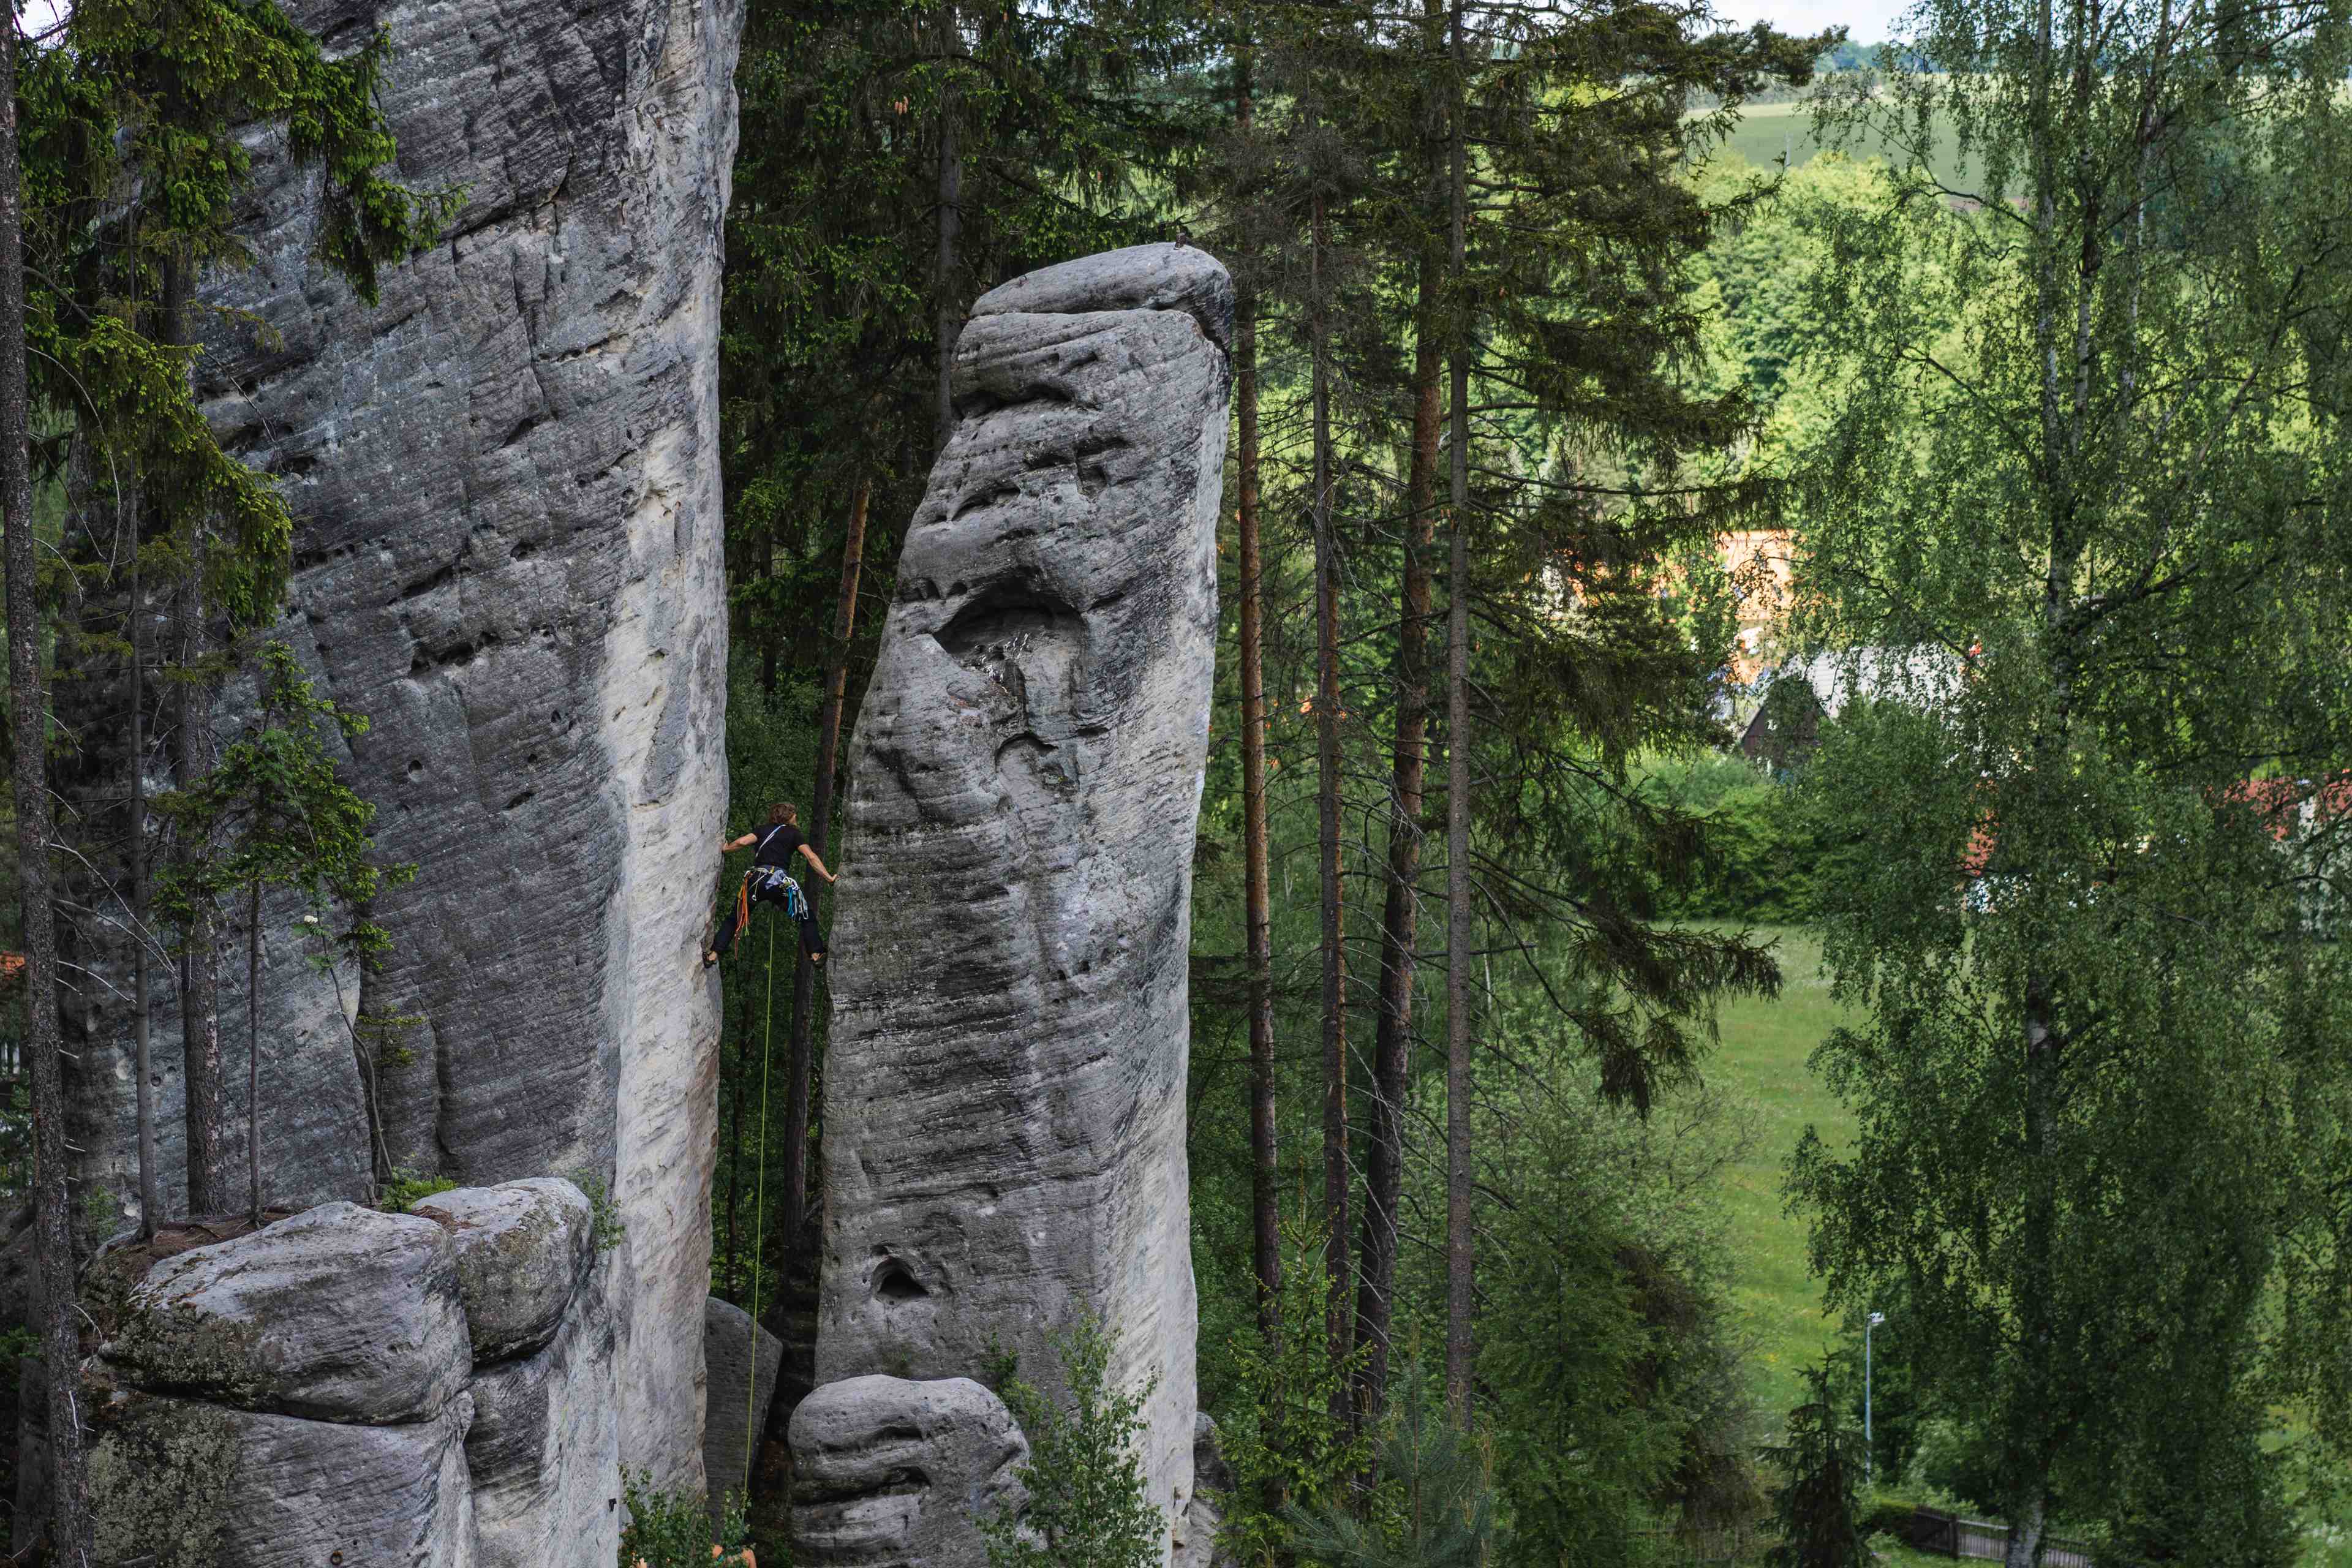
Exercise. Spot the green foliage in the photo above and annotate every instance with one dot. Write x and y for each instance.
(673, 1529)
(407, 1186)
(1615, 1399)
(1278, 1430)
(1434, 1505)
(1817, 1503)
(1762, 860)
(1088, 1504)
(274, 812)
(186, 81)
(1060, 116)
(2090, 424)
(137, 126)
(605, 1225)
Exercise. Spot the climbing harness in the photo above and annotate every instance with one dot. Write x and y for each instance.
(762, 881)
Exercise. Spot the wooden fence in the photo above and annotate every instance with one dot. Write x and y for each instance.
(1931, 1530)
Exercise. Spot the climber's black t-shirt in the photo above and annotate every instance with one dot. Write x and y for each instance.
(778, 847)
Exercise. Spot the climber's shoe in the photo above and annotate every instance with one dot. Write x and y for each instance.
(709, 956)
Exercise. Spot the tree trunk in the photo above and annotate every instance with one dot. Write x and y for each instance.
(950, 221)
(1266, 1219)
(1335, 1176)
(141, 1005)
(1400, 915)
(771, 634)
(57, 1312)
(201, 1072)
(253, 1039)
(1459, 1281)
(828, 763)
(200, 989)
(2024, 1548)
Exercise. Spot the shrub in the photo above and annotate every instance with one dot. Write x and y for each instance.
(1088, 1503)
(407, 1186)
(672, 1530)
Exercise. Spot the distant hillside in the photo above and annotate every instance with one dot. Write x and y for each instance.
(1769, 132)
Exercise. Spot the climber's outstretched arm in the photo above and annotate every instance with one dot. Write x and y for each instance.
(811, 853)
(734, 844)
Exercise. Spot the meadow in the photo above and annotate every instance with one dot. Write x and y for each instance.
(1762, 1063)
(1768, 132)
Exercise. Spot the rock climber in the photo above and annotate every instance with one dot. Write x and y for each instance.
(770, 881)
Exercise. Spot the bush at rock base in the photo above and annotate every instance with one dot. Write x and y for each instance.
(672, 1530)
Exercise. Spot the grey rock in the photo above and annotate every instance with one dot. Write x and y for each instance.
(524, 1249)
(338, 1314)
(199, 1485)
(1202, 1520)
(545, 1449)
(1004, 1085)
(1140, 278)
(1196, 1542)
(505, 479)
(894, 1474)
(727, 1337)
(1211, 1473)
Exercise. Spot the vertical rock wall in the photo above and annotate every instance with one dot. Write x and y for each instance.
(505, 482)
(1005, 1091)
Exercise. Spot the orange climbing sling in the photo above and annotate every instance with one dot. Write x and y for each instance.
(772, 881)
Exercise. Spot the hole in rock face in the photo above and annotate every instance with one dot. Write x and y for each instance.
(1004, 619)
(895, 1282)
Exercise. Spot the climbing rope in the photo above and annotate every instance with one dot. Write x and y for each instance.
(760, 1213)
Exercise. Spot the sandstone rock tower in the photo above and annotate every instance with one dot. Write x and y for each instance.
(1005, 1094)
(505, 479)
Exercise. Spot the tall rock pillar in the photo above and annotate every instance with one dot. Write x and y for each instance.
(1005, 1091)
(505, 482)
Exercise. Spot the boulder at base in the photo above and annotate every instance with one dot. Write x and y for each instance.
(891, 1472)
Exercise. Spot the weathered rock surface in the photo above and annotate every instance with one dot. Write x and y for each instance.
(424, 1456)
(524, 1249)
(204, 1486)
(545, 1449)
(728, 1336)
(1004, 1086)
(894, 1474)
(505, 478)
(1202, 1519)
(339, 1314)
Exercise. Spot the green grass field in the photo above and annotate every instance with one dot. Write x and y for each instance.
(1762, 1063)
(1769, 131)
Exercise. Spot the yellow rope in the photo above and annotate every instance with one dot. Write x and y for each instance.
(760, 1213)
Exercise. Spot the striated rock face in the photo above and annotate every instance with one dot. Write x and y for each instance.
(1004, 1088)
(893, 1474)
(505, 482)
(743, 1379)
(338, 1314)
(545, 1449)
(314, 1388)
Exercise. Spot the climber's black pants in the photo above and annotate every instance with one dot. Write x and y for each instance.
(812, 939)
